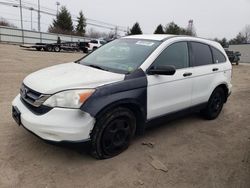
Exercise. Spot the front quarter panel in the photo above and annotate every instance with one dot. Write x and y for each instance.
(132, 90)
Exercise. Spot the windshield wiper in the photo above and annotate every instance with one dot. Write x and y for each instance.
(96, 66)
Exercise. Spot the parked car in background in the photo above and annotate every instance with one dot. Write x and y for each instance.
(234, 57)
(116, 91)
(96, 43)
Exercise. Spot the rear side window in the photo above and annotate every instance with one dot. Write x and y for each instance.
(218, 56)
(176, 55)
(201, 54)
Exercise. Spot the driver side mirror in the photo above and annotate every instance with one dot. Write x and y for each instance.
(162, 70)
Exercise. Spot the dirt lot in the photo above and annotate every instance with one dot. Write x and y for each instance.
(196, 153)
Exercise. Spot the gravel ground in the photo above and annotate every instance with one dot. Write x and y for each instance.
(190, 151)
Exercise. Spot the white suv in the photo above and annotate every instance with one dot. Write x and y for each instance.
(114, 92)
(94, 44)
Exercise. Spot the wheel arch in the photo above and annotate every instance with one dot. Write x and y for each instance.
(132, 105)
(224, 86)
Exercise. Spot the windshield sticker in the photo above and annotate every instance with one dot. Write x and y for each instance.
(145, 43)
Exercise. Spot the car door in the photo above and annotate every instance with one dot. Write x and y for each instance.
(170, 93)
(206, 70)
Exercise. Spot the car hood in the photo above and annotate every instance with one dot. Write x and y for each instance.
(69, 76)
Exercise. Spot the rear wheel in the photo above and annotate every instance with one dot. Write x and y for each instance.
(113, 133)
(215, 104)
(57, 49)
(49, 48)
(85, 50)
(38, 48)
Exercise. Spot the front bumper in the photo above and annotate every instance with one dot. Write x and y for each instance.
(59, 124)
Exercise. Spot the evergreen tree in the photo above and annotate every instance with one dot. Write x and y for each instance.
(174, 29)
(63, 22)
(240, 39)
(136, 29)
(81, 24)
(223, 42)
(159, 30)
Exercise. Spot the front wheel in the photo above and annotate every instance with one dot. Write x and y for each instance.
(113, 133)
(215, 104)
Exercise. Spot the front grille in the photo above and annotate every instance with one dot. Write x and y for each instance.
(29, 95)
(33, 100)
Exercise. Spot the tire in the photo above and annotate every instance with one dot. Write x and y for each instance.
(38, 49)
(112, 133)
(215, 104)
(57, 49)
(49, 48)
(94, 48)
(85, 51)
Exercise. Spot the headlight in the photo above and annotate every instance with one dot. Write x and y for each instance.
(69, 99)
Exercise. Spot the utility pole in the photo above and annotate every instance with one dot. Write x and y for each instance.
(57, 5)
(39, 20)
(39, 17)
(31, 26)
(21, 15)
(116, 31)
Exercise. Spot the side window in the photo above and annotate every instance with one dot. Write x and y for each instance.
(218, 56)
(201, 54)
(94, 41)
(176, 55)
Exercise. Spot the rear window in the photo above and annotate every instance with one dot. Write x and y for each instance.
(103, 42)
(201, 54)
(218, 56)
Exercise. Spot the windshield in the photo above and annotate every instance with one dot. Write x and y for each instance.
(121, 55)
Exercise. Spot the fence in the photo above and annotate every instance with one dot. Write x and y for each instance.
(14, 35)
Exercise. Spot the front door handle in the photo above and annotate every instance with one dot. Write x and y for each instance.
(215, 69)
(187, 74)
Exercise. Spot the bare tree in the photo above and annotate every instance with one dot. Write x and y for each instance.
(4, 22)
(246, 33)
(92, 33)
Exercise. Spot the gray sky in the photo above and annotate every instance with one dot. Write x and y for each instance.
(212, 18)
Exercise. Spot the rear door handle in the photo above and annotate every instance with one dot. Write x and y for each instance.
(187, 74)
(215, 69)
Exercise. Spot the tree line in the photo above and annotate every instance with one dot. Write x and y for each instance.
(242, 37)
(63, 24)
(171, 28)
